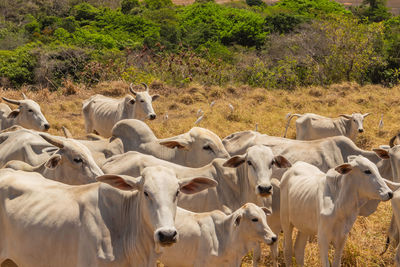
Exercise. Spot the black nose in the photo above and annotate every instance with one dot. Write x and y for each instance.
(264, 190)
(167, 237)
(152, 116)
(46, 126)
(274, 239)
(360, 130)
(390, 194)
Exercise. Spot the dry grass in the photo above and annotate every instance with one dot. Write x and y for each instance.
(268, 108)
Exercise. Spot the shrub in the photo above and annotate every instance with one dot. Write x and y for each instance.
(254, 2)
(283, 23)
(128, 5)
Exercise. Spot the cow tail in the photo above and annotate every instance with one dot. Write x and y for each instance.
(290, 116)
(386, 246)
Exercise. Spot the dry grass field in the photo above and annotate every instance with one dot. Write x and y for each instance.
(268, 109)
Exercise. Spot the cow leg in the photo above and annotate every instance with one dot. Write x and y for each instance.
(287, 243)
(339, 246)
(397, 257)
(256, 254)
(323, 245)
(275, 253)
(299, 247)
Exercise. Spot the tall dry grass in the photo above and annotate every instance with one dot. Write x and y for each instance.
(252, 106)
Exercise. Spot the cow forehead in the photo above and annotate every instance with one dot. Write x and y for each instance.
(357, 116)
(143, 95)
(76, 148)
(259, 152)
(30, 104)
(202, 133)
(251, 210)
(156, 178)
(364, 163)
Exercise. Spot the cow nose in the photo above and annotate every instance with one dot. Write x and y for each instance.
(152, 116)
(360, 130)
(264, 190)
(273, 239)
(167, 237)
(47, 126)
(390, 195)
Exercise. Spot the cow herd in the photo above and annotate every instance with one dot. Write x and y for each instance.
(124, 197)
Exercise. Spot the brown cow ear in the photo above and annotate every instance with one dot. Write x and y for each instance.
(382, 153)
(238, 219)
(344, 168)
(282, 162)
(13, 114)
(234, 161)
(155, 97)
(178, 143)
(122, 182)
(267, 211)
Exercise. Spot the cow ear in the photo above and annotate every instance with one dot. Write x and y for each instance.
(177, 143)
(344, 168)
(282, 162)
(238, 219)
(195, 185)
(382, 153)
(345, 116)
(366, 114)
(53, 161)
(122, 182)
(13, 114)
(154, 97)
(267, 211)
(235, 161)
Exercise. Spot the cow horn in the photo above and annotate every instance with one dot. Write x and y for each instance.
(54, 141)
(391, 142)
(12, 101)
(145, 86)
(23, 95)
(131, 89)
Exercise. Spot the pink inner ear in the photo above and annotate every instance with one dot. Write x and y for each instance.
(122, 185)
(189, 187)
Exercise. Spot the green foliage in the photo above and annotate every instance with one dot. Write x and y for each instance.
(254, 2)
(373, 10)
(128, 5)
(157, 4)
(312, 8)
(283, 23)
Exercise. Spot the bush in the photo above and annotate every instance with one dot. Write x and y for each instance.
(283, 23)
(128, 5)
(254, 2)
(313, 8)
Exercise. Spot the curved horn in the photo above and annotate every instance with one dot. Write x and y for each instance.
(66, 132)
(145, 86)
(23, 95)
(54, 141)
(12, 101)
(391, 142)
(131, 89)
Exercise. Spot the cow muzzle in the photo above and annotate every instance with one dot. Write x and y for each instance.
(167, 237)
(264, 190)
(46, 126)
(360, 130)
(271, 240)
(152, 116)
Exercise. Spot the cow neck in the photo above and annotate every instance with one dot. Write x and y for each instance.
(122, 107)
(347, 201)
(343, 123)
(127, 226)
(246, 192)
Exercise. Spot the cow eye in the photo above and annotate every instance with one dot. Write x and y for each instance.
(30, 110)
(254, 220)
(367, 172)
(78, 160)
(249, 163)
(146, 194)
(207, 147)
(142, 101)
(177, 193)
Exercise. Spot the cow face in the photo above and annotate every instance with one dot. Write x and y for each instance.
(258, 162)
(159, 190)
(28, 114)
(72, 160)
(356, 120)
(251, 221)
(143, 107)
(364, 177)
(199, 145)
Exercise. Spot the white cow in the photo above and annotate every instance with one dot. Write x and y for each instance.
(241, 179)
(28, 115)
(310, 126)
(217, 239)
(122, 221)
(326, 204)
(195, 148)
(72, 163)
(102, 113)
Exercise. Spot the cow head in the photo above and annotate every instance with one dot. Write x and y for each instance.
(28, 114)
(356, 120)
(391, 153)
(200, 146)
(143, 108)
(364, 177)
(159, 189)
(72, 160)
(250, 222)
(258, 162)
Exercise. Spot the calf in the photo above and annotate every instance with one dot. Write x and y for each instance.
(122, 221)
(217, 239)
(326, 204)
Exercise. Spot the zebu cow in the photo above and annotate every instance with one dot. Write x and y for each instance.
(217, 239)
(27, 115)
(326, 204)
(122, 221)
(241, 179)
(311, 126)
(102, 113)
(72, 163)
(195, 148)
